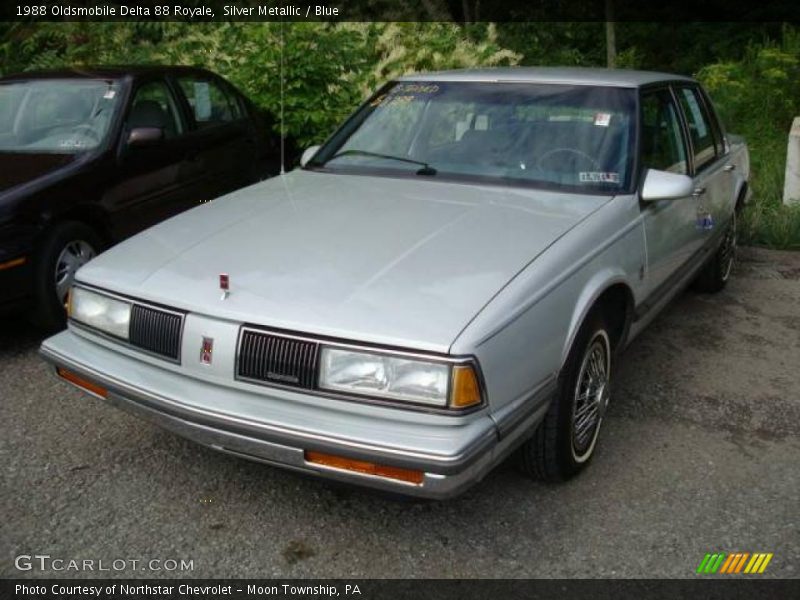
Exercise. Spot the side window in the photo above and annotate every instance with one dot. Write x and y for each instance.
(662, 141)
(701, 130)
(154, 106)
(211, 104)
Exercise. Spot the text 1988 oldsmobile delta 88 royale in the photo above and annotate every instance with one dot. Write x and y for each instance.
(448, 279)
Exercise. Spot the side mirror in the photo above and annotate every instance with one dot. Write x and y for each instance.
(661, 185)
(145, 136)
(308, 154)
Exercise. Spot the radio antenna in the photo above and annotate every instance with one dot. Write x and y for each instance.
(283, 139)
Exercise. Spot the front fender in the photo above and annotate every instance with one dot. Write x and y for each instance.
(594, 287)
(522, 337)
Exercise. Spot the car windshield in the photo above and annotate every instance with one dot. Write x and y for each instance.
(570, 137)
(60, 116)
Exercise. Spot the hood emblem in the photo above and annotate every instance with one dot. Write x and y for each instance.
(224, 285)
(206, 350)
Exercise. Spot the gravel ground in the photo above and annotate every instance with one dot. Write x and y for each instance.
(699, 453)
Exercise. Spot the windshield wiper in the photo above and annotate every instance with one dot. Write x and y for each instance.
(425, 170)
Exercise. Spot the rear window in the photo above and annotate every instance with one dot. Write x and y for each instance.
(210, 102)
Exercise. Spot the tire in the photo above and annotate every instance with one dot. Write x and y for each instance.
(558, 450)
(64, 249)
(713, 277)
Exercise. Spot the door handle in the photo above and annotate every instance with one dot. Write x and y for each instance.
(729, 167)
(698, 191)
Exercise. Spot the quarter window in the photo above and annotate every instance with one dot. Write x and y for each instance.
(662, 142)
(701, 131)
(210, 103)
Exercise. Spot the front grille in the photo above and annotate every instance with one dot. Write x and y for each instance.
(277, 359)
(156, 331)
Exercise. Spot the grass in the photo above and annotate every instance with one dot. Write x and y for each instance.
(767, 221)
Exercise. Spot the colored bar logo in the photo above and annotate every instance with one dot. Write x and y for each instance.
(734, 563)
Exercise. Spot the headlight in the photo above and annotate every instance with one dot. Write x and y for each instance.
(398, 378)
(102, 312)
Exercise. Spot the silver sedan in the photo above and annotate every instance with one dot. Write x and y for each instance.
(450, 278)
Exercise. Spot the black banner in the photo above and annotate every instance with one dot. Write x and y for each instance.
(733, 588)
(460, 11)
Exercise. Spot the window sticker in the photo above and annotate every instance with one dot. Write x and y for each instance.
(598, 177)
(71, 143)
(602, 119)
(416, 88)
(403, 93)
(109, 95)
(202, 101)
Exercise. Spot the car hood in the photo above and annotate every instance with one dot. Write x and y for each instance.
(19, 168)
(398, 261)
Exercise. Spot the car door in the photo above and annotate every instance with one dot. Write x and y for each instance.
(713, 185)
(152, 180)
(669, 225)
(223, 137)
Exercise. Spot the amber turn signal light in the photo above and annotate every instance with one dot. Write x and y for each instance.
(364, 467)
(82, 383)
(16, 262)
(466, 391)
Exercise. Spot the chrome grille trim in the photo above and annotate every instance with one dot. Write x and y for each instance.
(272, 358)
(156, 331)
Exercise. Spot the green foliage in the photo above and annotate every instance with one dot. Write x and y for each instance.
(328, 69)
(556, 44)
(752, 70)
(758, 96)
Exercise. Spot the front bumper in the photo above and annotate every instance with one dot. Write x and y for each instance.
(452, 455)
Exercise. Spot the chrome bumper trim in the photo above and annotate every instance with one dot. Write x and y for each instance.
(444, 477)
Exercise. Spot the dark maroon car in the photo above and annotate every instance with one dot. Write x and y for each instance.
(89, 157)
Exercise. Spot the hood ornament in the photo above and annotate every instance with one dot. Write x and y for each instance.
(224, 285)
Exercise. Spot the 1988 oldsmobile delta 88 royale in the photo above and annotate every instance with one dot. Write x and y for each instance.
(449, 278)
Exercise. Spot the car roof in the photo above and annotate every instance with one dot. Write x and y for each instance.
(560, 75)
(106, 72)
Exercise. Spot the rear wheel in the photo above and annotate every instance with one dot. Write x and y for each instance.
(66, 247)
(566, 439)
(713, 277)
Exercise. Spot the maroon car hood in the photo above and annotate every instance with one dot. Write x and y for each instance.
(16, 169)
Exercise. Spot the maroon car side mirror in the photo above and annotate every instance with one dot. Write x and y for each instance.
(145, 136)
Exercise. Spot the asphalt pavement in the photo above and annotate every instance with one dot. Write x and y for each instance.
(699, 453)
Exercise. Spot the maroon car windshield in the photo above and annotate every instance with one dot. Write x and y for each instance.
(58, 116)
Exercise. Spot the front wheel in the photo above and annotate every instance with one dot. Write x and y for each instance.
(566, 439)
(65, 248)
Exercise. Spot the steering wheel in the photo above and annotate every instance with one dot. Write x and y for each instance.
(580, 154)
